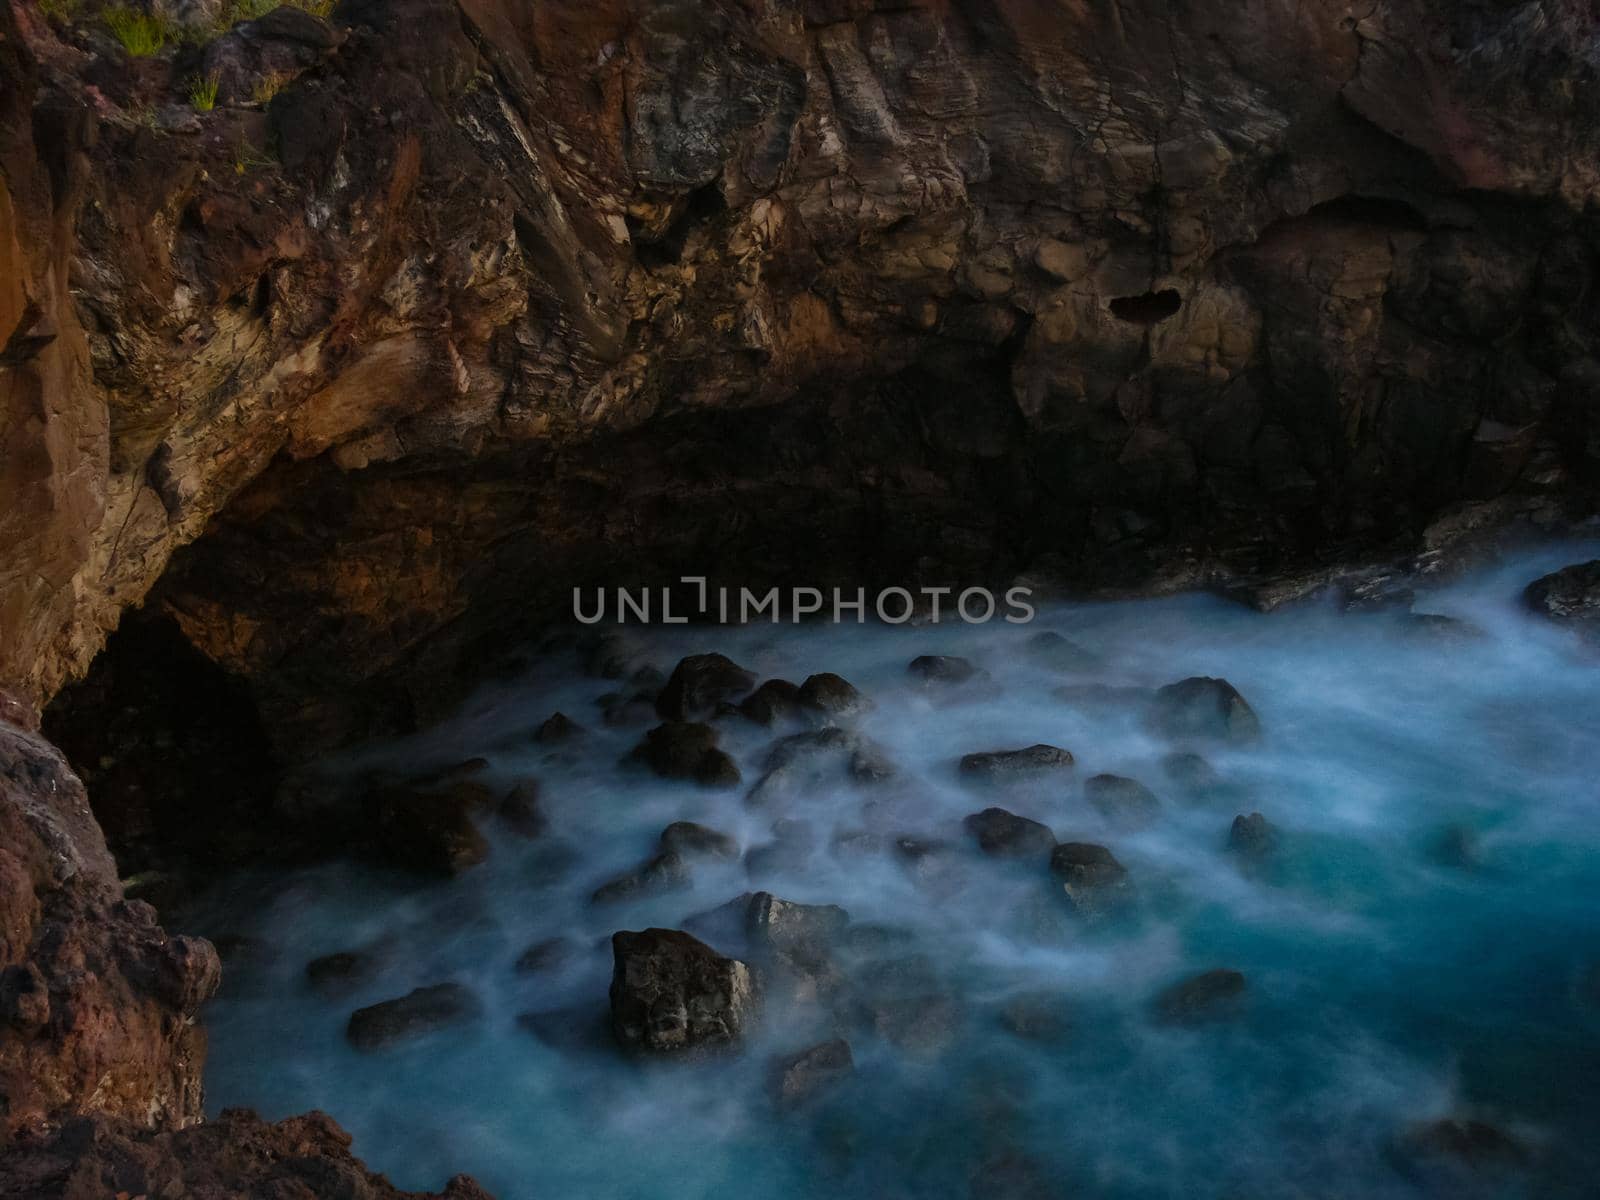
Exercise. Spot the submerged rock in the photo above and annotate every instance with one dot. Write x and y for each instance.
(943, 668)
(520, 811)
(426, 824)
(774, 701)
(665, 872)
(548, 955)
(1002, 765)
(1457, 1157)
(904, 1002)
(341, 972)
(687, 838)
(1090, 876)
(1051, 649)
(1006, 835)
(558, 728)
(1037, 1016)
(670, 993)
(795, 1078)
(832, 696)
(1202, 707)
(1570, 596)
(420, 1012)
(684, 750)
(1190, 771)
(699, 683)
(1125, 803)
(1253, 836)
(1216, 995)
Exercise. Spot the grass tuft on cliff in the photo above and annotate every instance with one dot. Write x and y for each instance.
(203, 91)
(142, 34)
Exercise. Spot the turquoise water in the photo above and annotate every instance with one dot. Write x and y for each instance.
(1389, 983)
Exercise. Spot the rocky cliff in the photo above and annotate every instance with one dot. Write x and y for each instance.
(347, 341)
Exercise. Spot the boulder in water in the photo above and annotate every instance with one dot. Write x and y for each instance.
(665, 872)
(1253, 836)
(996, 766)
(832, 695)
(520, 812)
(1050, 649)
(1570, 596)
(943, 668)
(671, 993)
(1189, 771)
(426, 823)
(775, 701)
(686, 750)
(1090, 876)
(343, 971)
(1006, 835)
(903, 1001)
(420, 1012)
(1216, 995)
(1037, 1016)
(551, 954)
(793, 1079)
(689, 839)
(1458, 1157)
(1125, 803)
(1202, 707)
(556, 729)
(699, 683)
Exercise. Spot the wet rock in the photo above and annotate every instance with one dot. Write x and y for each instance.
(1037, 1016)
(775, 701)
(557, 729)
(342, 972)
(994, 766)
(1006, 835)
(551, 954)
(832, 695)
(688, 839)
(1125, 803)
(671, 993)
(1458, 1157)
(1013, 1175)
(944, 669)
(1436, 627)
(1216, 995)
(932, 862)
(420, 1012)
(1190, 771)
(699, 683)
(1090, 876)
(426, 824)
(1570, 596)
(666, 872)
(1202, 707)
(790, 850)
(802, 760)
(795, 1078)
(633, 706)
(683, 750)
(1252, 837)
(520, 812)
(1050, 649)
(903, 1001)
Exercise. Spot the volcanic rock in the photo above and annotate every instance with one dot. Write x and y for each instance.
(1006, 835)
(420, 1012)
(672, 993)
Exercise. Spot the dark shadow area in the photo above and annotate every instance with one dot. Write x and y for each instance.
(1149, 309)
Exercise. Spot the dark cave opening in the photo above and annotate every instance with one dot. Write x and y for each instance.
(173, 753)
(1149, 309)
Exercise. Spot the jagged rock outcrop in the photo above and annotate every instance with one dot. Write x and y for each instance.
(236, 1155)
(462, 305)
(97, 1002)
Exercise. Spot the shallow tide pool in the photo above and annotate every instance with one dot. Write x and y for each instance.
(1421, 941)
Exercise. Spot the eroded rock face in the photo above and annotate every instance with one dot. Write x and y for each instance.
(1570, 596)
(238, 1154)
(481, 306)
(98, 1001)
